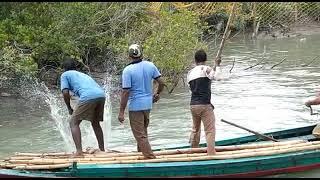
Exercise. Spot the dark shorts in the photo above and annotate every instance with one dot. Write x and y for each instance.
(91, 111)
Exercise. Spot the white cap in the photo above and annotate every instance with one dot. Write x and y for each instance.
(135, 50)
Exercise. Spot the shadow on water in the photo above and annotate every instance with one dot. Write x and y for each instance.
(261, 98)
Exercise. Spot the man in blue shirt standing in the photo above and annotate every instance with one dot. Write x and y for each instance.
(137, 81)
(90, 106)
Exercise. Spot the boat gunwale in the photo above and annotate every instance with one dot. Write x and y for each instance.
(66, 172)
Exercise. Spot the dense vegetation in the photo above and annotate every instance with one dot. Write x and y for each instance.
(36, 37)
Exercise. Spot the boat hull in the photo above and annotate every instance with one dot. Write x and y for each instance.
(241, 167)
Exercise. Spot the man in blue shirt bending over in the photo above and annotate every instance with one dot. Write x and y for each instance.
(90, 106)
(137, 81)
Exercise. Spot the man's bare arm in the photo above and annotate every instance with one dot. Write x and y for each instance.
(315, 101)
(124, 99)
(123, 104)
(160, 88)
(160, 85)
(217, 63)
(67, 97)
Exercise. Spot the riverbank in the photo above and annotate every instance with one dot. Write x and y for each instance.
(296, 31)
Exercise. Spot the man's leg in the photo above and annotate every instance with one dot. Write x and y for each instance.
(98, 117)
(99, 134)
(208, 120)
(146, 115)
(196, 126)
(82, 111)
(76, 134)
(138, 130)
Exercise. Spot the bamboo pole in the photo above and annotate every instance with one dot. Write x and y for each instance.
(254, 132)
(295, 15)
(43, 154)
(115, 159)
(10, 166)
(254, 20)
(218, 56)
(215, 157)
(167, 152)
(22, 158)
(271, 148)
(38, 167)
(176, 151)
(62, 163)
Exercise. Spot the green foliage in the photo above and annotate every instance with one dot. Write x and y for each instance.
(96, 34)
(14, 63)
(172, 43)
(55, 30)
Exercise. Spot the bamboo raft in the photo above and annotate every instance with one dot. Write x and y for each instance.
(58, 160)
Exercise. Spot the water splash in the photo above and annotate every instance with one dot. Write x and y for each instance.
(106, 125)
(37, 91)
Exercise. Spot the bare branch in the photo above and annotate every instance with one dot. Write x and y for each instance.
(305, 65)
(235, 35)
(255, 64)
(311, 112)
(278, 63)
(234, 60)
(22, 50)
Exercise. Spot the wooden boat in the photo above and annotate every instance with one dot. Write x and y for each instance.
(299, 158)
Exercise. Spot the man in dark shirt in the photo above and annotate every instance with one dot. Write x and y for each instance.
(199, 80)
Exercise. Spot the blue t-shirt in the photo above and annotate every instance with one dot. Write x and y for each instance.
(138, 77)
(81, 85)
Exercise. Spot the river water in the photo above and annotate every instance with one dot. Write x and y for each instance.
(260, 98)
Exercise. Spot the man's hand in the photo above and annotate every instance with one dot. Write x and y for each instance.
(121, 117)
(307, 104)
(217, 62)
(70, 111)
(209, 69)
(156, 98)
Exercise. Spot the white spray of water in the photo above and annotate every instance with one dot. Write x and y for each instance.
(58, 111)
(106, 126)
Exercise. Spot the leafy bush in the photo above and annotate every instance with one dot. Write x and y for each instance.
(14, 63)
(172, 43)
